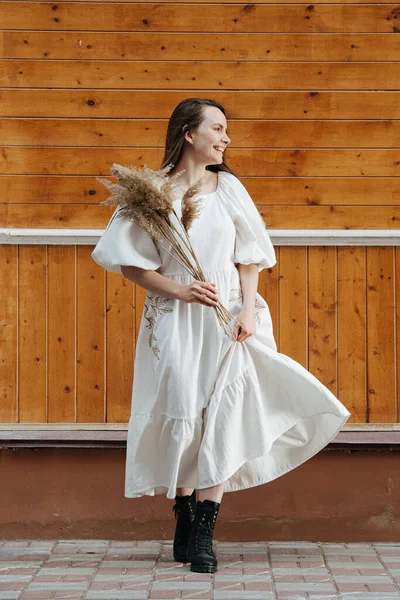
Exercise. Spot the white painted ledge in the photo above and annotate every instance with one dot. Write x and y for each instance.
(115, 434)
(279, 237)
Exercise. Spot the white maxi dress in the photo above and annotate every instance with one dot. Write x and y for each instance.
(205, 408)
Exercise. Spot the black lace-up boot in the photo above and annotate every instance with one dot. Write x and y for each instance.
(184, 509)
(200, 549)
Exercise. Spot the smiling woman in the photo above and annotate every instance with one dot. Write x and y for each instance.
(211, 411)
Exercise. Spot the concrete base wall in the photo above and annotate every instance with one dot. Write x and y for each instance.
(340, 495)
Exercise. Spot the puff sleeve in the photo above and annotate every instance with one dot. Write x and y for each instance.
(124, 243)
(252, 243)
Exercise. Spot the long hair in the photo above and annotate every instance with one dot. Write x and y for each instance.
(188, 114)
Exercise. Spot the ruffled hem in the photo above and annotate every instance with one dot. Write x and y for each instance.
(235, 482)
(248, 434)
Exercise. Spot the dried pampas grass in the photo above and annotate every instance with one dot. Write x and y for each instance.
(146, 197)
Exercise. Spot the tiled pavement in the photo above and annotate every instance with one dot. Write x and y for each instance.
(110, 570)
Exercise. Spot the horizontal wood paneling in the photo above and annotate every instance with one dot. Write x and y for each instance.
(251, 162)
(162, 47)
(129, 104)
(169, 75)
(219, 17)
(293, 191)
(275, 217)
(333, 310)
(151, 132)
(256, 2)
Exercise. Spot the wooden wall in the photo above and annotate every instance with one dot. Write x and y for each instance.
(313, 106)
(69, 328)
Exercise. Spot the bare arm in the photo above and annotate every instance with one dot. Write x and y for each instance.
(197, 291)
(153, 281)
(249, 282)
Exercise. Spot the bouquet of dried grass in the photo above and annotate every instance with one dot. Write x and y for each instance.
(146, 197)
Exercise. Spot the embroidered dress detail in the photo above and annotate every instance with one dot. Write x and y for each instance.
(207, 409)
(236, 296)
(156, 305)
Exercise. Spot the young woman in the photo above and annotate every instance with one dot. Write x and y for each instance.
(209, 411)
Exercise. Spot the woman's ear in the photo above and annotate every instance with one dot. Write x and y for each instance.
(187, 133)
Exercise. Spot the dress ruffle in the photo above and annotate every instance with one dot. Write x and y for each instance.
(251, 431)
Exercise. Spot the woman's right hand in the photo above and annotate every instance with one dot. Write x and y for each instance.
(201, 292)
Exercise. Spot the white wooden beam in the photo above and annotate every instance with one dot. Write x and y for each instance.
(279, 237)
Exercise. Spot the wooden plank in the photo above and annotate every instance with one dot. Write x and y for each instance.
(293, 330)
(40, 189)
(195, 73)
(397, 333)
(268, 287)
(322, 302)
(320, 191)
(256, 2)
(130, 133)
(8, 333)
(381, 344)
(218, 17)
(120, 341)
(101, 103)
(265, 191)
(32, 342)
(211, 47)
(53, 215)
(352, 331)
(65, 216)
(90, 338)
(61, 334)
(331, 217)
(252, 162)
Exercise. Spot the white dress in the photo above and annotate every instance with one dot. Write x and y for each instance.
(205, 408)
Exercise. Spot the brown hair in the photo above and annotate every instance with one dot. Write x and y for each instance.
(188, 114)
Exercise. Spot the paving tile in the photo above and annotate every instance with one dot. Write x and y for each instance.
(57, 585)
(305, 587)
(362, 579)
(315, 570)
(15, 586)
(319, 596)
(382, 587)
(36, 595)
(369, 596)
(68, 596)
(291, 596)
(242, 595)
(18, 564)
(258, 585)
(198, 596)
(351, 587)
(241, 578)
(165, 594)
(115, 570)
(177, 585)
(118, 595)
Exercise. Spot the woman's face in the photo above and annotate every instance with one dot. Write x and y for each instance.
(210, 139)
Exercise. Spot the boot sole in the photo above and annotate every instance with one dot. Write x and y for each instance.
(203, 568)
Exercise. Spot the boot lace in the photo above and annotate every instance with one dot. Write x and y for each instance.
(204, 534)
